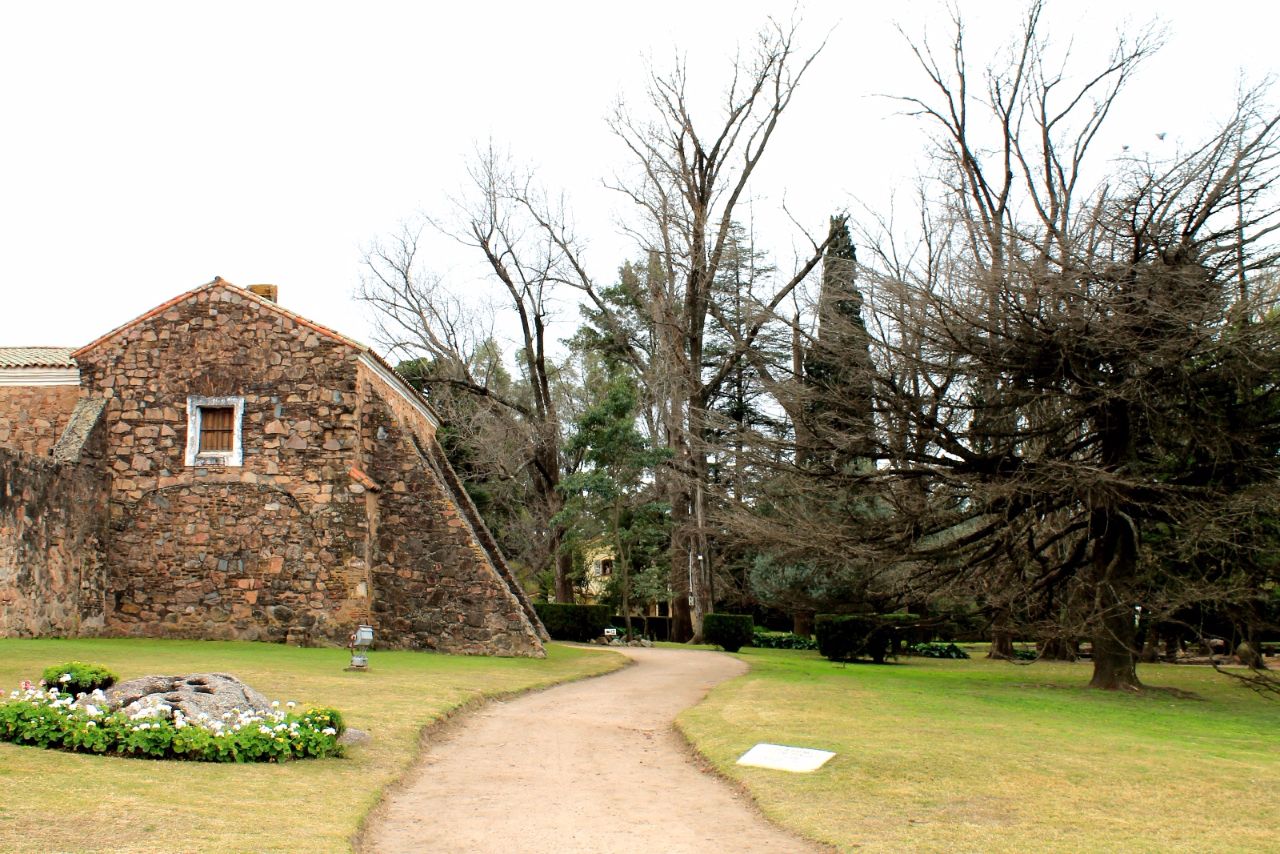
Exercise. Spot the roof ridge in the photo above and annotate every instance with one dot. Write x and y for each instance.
(147, 315)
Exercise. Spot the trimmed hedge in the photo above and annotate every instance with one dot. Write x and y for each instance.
(847, 637)
(564, 621)
(731, 632)
(763, 639)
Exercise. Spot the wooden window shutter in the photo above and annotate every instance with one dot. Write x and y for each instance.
(217, 428)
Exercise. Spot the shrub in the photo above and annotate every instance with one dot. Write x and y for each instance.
(937, 650)
(763, 639)
(324, 716)
(564, 621)
(76, 677)
(846, 637)
(46, 717)
(731, 632)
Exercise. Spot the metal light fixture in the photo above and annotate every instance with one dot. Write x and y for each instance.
(361, 640)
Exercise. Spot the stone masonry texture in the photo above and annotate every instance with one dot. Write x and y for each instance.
(32, 417)
(340, 514)
(52, 520)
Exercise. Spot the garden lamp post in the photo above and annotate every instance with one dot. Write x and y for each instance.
(361, 640)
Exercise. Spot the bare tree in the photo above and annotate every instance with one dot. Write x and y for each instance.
(1089, 381)
(528, 251)
(689, 181)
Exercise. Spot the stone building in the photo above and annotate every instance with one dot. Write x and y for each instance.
(221, 467)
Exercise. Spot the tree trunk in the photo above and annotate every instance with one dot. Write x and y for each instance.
(802, 623)
(1114, 664)
(1001, 644)
(1001, 635)
(564, 569)
(1150, 647)
(1057, 649)
(1115, 558)
(681, 625)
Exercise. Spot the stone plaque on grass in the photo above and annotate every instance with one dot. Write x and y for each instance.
(780, 757)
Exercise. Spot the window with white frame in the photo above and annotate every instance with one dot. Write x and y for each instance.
(213, 431)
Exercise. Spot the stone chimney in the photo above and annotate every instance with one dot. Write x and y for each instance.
(267, 292)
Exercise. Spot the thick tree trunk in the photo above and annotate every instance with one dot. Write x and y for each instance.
(564, 569)
(1057, 649)
(1115, 559)
(681, 626)
(1114, 663)
(1001, 636)
(802, 623)
(1001, 644)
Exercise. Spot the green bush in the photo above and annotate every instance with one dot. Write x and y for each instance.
(564, 621)
(762, 639)
(324, 716)
(846, 637)
(77, 677)
(45, 717)
(731, 632)
(937, 649)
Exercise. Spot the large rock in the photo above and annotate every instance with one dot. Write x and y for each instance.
(212, 694)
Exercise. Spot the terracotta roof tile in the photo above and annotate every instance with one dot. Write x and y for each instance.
(37, 357)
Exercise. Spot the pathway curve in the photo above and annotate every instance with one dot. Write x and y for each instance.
(592, 766)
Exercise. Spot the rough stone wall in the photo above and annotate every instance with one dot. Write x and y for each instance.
(269, 548)
(52, 520)
(434, 584)
(33, 416)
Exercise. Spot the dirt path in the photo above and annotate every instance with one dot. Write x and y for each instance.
(593, 766)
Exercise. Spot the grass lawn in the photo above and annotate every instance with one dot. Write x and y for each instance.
(55, 801)
(938, 755)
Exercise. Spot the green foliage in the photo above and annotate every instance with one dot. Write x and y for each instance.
(937, 650)
(46, 717)
(564, 621)
(806, 585)
(847, 637)
(77, 677)
(763, 639)
(324, 716)
(729, 631)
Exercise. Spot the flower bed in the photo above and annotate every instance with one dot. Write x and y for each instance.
(47, 717)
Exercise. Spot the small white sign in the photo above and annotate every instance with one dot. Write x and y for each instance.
(611, 633)
(780, 757)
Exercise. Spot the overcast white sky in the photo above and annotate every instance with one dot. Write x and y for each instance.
(147, 147)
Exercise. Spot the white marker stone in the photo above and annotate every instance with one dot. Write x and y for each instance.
(780, 757)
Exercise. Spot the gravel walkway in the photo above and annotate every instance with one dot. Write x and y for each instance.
(592, 766)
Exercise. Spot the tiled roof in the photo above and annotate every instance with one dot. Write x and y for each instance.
(37, 357)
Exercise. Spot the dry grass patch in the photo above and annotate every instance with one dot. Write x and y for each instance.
(975, 755)
(54, 801)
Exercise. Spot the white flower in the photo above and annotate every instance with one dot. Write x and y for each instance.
(64, 678)
(91, 710)
(275, 704)
(92, 723)
(290, 704)
(264, 730)
(329, 731)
